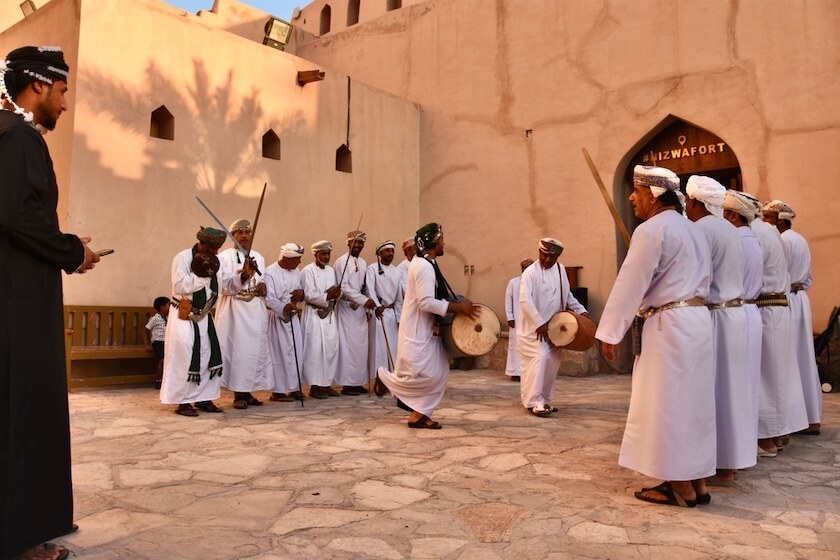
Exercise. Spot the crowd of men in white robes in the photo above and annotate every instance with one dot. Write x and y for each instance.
(722, 333)
(720, 367)
(717, 300)
(277, 328)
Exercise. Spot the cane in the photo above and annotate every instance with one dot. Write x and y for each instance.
(387, 347)
(294, 347)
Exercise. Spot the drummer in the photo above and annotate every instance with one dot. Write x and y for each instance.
(422, 367)
(543, 292)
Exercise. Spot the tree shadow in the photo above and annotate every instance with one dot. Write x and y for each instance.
(208, 123)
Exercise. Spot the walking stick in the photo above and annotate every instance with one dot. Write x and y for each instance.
(387, 347)
(341, 278)
(294, 347)
(387, 344)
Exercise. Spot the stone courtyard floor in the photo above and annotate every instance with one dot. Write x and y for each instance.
(345, 478)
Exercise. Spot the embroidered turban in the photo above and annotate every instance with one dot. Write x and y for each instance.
(240, 225)
(784, 211)
(211, 236)
(45, 64)
(427, 237)
(408, 243)
(291, 251)
(356, 236)
(320, 246)
(551, 246)
(27, 64)
(385, 245)
(658, 179)
(741, 203)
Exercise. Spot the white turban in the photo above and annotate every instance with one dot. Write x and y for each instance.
(240, 225)
(386, 245)
(784, 211)
(322, 245)
(742, 203)
(708, 191)
(356, 235)
(551, 246)
(658, 179)
(291, 251)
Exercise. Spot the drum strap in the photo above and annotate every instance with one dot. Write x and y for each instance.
(442, 288)
(562, 291)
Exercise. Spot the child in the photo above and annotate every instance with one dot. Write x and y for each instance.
(156, 329)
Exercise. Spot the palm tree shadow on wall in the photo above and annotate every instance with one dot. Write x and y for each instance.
(217, 132)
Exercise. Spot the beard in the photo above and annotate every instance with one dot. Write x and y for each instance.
(48, 123)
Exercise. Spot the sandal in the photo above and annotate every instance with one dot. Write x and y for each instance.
(254, 401)
(281, 397)
(240, 404)
(186, 410)
(541, 411)
(425, 422)
(673, 498)
(379, 388)
(208, 406)
(63, 553)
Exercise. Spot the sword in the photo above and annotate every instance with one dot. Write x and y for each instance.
(225, 229)
(257, 217)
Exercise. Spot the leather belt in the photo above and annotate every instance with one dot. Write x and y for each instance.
(651, 311)
(772, 300)
(797, 287)
(197, 314)
(247, 295)
(738, 302)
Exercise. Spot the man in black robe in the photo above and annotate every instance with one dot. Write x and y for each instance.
(36, 497)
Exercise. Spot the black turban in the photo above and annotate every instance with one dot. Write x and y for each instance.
(427, 237)
(26, 64)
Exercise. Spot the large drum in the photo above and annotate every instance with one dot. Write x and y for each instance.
(466, 337)
(571, 331)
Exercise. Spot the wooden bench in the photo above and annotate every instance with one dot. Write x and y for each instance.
(95, 332)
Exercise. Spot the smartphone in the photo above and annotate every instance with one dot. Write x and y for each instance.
(104, 252)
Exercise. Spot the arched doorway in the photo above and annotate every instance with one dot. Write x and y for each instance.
(684, 148)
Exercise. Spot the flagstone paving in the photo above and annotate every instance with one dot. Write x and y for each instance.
(344, 478)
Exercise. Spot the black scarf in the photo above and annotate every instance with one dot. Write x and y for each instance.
(199, 300)
(442, 288)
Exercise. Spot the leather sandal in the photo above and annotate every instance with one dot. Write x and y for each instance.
(186, 410)
(672, 497)
(208, 406)
(379, 388)
(425, 422)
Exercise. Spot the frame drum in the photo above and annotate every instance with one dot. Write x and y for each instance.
(466, 337)
(571, 331)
